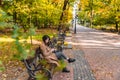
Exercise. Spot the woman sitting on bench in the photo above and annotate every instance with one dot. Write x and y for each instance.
(48, 52)
(59, 54)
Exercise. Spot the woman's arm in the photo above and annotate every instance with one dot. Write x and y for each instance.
(45, 51)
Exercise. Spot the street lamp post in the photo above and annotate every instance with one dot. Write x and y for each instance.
(75, 8)
(75, 26)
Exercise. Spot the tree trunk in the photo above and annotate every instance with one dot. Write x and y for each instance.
(64, 8)
(91, 13)
(116, 26)
(0, 2)
(14, 16)
(61, 17)
(25, 30)
(91, 19)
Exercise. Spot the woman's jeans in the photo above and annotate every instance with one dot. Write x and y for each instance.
(60, 55)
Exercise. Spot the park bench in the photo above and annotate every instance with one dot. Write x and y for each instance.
(34, 66)
(59, 42)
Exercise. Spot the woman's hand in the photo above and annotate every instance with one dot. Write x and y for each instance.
(52, 50)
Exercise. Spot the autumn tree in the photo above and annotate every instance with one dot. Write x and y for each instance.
(100, 12)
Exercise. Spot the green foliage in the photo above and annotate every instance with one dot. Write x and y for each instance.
(41, 77)
(24, 49)
(5, 20)
(103, 11)
(62, 65)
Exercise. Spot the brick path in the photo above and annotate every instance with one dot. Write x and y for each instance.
(102, 51)
(82, 69)
(79, 70)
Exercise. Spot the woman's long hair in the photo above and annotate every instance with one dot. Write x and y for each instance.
(44, 38)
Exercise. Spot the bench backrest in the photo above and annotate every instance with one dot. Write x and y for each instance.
(32, 63)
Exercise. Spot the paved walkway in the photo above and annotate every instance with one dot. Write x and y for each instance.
(102, 51)
(81, 68)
